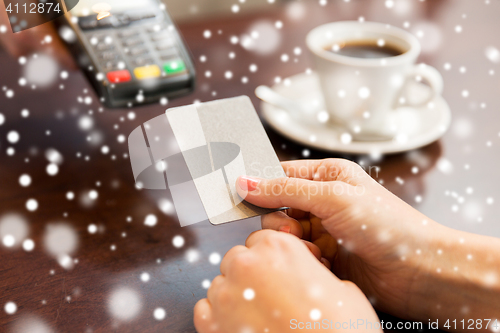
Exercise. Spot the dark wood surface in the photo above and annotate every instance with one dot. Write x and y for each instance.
(77, 300)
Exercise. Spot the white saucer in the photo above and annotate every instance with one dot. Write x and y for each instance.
(418, 126)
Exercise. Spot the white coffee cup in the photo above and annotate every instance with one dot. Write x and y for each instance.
(361, 94)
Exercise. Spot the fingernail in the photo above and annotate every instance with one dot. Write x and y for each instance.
(285, 228)
(248, 183)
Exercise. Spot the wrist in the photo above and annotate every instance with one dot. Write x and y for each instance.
(427, 272)
(432, 272)
(457, 278)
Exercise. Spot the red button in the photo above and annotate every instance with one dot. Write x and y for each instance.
(119, 76)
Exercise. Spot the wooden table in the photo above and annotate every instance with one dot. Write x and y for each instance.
(457, 181)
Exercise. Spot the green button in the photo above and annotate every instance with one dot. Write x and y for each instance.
(174, 67)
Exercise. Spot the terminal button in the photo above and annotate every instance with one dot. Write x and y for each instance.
(119, 76)
(147, 72)
(174, 67)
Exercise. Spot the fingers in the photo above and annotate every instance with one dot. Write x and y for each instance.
(203, 316)
(280, 221)
(306, 228)
(329, 245)
(315, 250)
(297, 213)
(325, 262)
(318, 198)
(323, 170)
(305, 169)
(228, 258)
(215, 286)
(275, 221)
(256, 236)
(259, 235)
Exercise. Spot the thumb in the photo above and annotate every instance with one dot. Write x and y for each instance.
(319, 198)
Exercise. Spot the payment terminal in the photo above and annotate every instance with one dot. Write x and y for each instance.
(130, 50)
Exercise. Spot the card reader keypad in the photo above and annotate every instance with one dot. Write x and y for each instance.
(137, 52)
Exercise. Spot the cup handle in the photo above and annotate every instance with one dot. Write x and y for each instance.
(431, 76)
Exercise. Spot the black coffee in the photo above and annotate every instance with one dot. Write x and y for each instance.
(365, 49)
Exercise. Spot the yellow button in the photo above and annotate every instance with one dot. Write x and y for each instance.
(147, 72)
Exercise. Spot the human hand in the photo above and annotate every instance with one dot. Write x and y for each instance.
(370, 236)
(273, 284)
